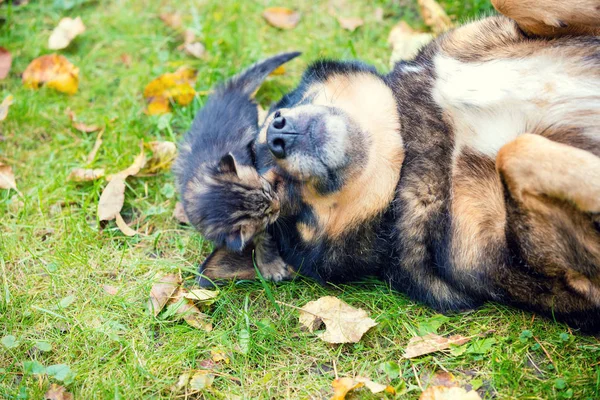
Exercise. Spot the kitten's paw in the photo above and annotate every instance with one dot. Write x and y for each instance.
(276, 270)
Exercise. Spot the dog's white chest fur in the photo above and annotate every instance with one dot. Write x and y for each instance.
(490, 103)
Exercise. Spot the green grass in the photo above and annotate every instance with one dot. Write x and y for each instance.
(52, 248)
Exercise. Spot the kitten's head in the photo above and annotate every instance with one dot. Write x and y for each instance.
(230, 203)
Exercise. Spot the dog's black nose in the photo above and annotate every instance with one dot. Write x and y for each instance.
(281, 134)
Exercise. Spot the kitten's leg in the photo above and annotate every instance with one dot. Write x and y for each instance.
(268, 260)
(223, 264)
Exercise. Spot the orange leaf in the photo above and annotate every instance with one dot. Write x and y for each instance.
(342, 386)
(177, 86)
(5, 62)
(281, 17)
(55, 71)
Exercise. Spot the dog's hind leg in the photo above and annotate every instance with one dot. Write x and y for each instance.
(226, 265)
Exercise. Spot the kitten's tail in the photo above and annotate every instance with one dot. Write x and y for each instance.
(249, 80)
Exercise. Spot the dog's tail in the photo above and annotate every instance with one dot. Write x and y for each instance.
(249, 80)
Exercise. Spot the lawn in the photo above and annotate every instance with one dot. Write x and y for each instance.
(55, 257)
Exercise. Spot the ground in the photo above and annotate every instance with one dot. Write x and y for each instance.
(55, 259)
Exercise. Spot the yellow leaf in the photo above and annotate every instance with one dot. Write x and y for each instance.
(434, 16)
(421, 345)
(176, 86)
(5, 105)
(343, 323)
(202, 295)
(278, 71)
(5, 62)
(218, 356)
(189, 312)
(55, 71)
(342, 386)
(351, 23)
(85, 175)
(7, 177)
(281, 17)
(201, 380)
(161, 292)
(65, 32)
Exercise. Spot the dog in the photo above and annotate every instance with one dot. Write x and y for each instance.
(469, 174)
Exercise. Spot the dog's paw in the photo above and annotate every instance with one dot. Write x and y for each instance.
(276, 270)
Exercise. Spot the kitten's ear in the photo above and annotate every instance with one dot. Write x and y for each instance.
(224, 264)
(237, 240)
(228, 164)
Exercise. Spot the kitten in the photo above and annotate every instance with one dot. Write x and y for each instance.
(222, 193)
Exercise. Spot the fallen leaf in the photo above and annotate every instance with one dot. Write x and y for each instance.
(445, 393)
(57, 392)
(138, 163)
(195, 49)
(350, 23)
(181, 382)
(7, 177)
(342, 386)
(111, 200)
(85, 175)
(406, 42)
(5, 62)
(186, 309)
(189, 36)
(179, 214)
(162, 291)
(172, 20)
(218, 356)
(65, 32)
(163, 155)
(90, 158)
(80, 126)
(343, 323)
(278, 71)
(110, 289)
(434, 16)
(5, 105)
(123, 227)
(421, 345)
(378, 14)
(176, 86)
(281, 17)
(55, 71)
(202, 295)
(201, 380)
(126, 59)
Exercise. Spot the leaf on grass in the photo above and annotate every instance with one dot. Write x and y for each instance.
(406, 42)
(4, 106)
(123, 227)
(65, 32)
(201, 380)
(344, 324)
(5, 62)
(281, 17)
(33, 367)
(378, 14)
(181, 382)
(434, 16)
(90, 157)
(163, 155)
(85, 174)
(57, 392)
(172, 20)
(125, 59)
(179, 214)
(162, 291)
(138, 163)
(195, 49)
(177, 86)
(185, 308)
(9, 341)
(55, 71)
(219, 356)
(43, 346)
(59, 372)
(204, 296)
(350, 23)
(80, 126)
(7, 177)
(421, 345)
(342, 386)
(448, 393)
(111, 200)
(110, 289)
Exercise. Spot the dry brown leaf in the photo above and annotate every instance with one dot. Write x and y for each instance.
(446, 393)
(112, 199)
(55, 71)
(7, 177)
(201, 380)
(406, 42)
(179, 214)
(80, 126)
(123, 227)
(65, 32)
(350, 23)
(85, 175)
(434, 16)
(57, 392)
(172, 20)
(5, 105)
(421, 345)
(5, 62)
(163, 155)
(378, 14)
(110, 289)
(90, 157)
(162, 291)
(441, 378)
(342, 386)
(281, 17)
(195, 49)
(177, 86)
(189, 36)
(343, 323)
(218, 356)
(189, 312)
(138, 163)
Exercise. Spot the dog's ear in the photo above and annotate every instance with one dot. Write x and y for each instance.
(237, 240)
(249, 80)
(228, 164)
(225, 265)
